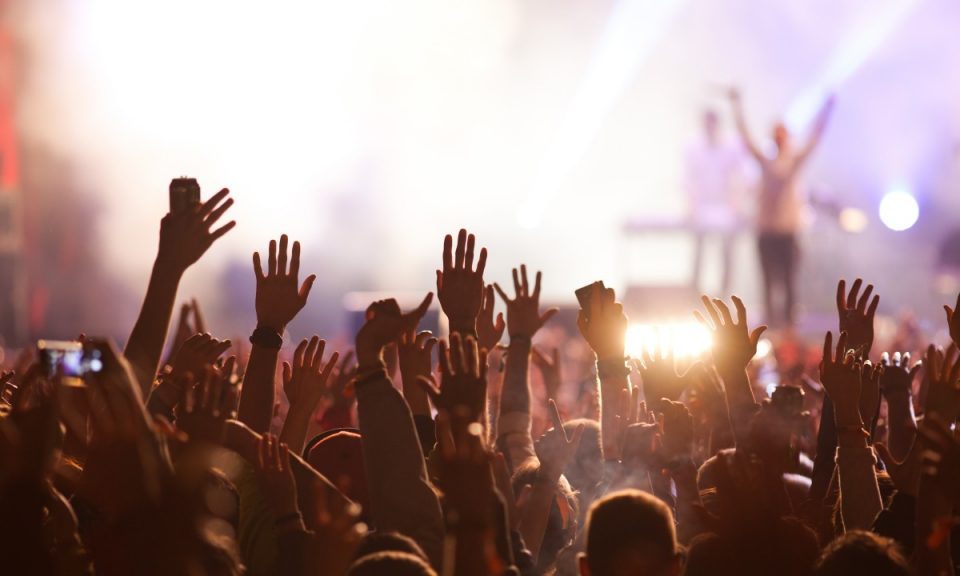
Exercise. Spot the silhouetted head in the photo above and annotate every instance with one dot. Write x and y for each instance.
(860, 552)
(391, 564)
(630, 533)
(711, 123)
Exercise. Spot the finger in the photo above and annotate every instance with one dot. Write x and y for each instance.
(557, 420)
(741, 310)
(430, 387)
(445, 441)
(447, 252)
(536, 286)
(272, 259)
(461, 245)
(295, 260)
(457, 357)
(828, 348)
(216, 392)
(841, 295)
(472, 356)
(208, 206)
(546, 316)
(524, 283)
(703, 321)
(287, 375)
(257, 268)
(219, 232)
(502, 294)
(841, 346)
(482, 262)
(298, 354)
(872, 310)
(468, 259)
(862, 302)
(198, 321)
(854, 292)
(948, 365)
(712, 311)
(516, 283)
(318, 356)
(885, 359)
(311, 351)
(756, 334)
(219, 349)
(724, 310)
(328, 369)
(413, 317)
(282, 256)
(445, 367)
(306, 287)
(218, 213)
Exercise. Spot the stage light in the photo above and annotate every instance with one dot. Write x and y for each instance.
(899, 210)
(853, 220)
(685, 339)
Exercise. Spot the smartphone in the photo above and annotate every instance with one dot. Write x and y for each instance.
(69, 362)
(184, 194)
(583, 296)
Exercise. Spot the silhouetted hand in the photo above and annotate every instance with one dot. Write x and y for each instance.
(940, 460)
(463, 380)
(659, 375)
(415, 354)
(384, 324)
(275, 475)
(898, 375)
(305, 382)
(459, 285)
(942, 373)
(280, 296)
(733, 345)
(555, 449)
(209, 400)
(549, 368)
(605, 326)
(840, 376)
(523, 311)
(196, 353)
(676, 425)
(856, 318)
(186, 328)
(186, 235)
(489, 329)
(953, 321)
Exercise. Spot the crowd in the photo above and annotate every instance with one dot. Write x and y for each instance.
(417, 455)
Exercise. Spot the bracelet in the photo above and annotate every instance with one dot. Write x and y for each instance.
(376, 374)
(613, 368)
(266, 338)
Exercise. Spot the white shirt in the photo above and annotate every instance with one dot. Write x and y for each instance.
(713, 173)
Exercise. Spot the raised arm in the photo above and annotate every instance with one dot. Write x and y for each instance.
(460, 286)
(523, 322)
(279, 298)
(742, 128)
(819, 127)
(401, 496)
(184, 237)
(843, 378)
(604, 327)
(304, 383)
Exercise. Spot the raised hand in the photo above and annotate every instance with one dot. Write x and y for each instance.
(459, 285)
(605, 326)
(943, 394)
(415, 352)
(549, 368)
(940, 460)
(463, 380)
(305, 381)
(187, 234)
(209, 400)
(556, 449)
(523, 311)
(953, 321)
(186, 328)
(659, 375)
(840, 376)
(280, 296)
(856, 317)
(676, 425)
(733, 344)
(898, 375)
(489, 330)
(384, 324)
(276, 476)
(196, 353)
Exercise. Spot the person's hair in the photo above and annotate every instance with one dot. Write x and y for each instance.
(629, 522)
(388, 541)
(860, 552)
(390, 563)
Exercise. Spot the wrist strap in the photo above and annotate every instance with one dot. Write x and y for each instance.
(266, 338)
(613, 368)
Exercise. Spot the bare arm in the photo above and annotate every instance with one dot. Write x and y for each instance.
(742, 128)
(819, 127)
(278, 301)
(184, 237)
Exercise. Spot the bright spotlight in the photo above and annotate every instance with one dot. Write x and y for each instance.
(685, 339)
(899, 210)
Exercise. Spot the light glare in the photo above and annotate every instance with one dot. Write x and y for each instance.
(684, 339)
(899, 210)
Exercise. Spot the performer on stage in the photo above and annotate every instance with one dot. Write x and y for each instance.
(780, 209)
(713, 173)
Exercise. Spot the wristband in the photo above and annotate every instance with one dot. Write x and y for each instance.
(378, 373)
(266, 338)
(613, 368)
